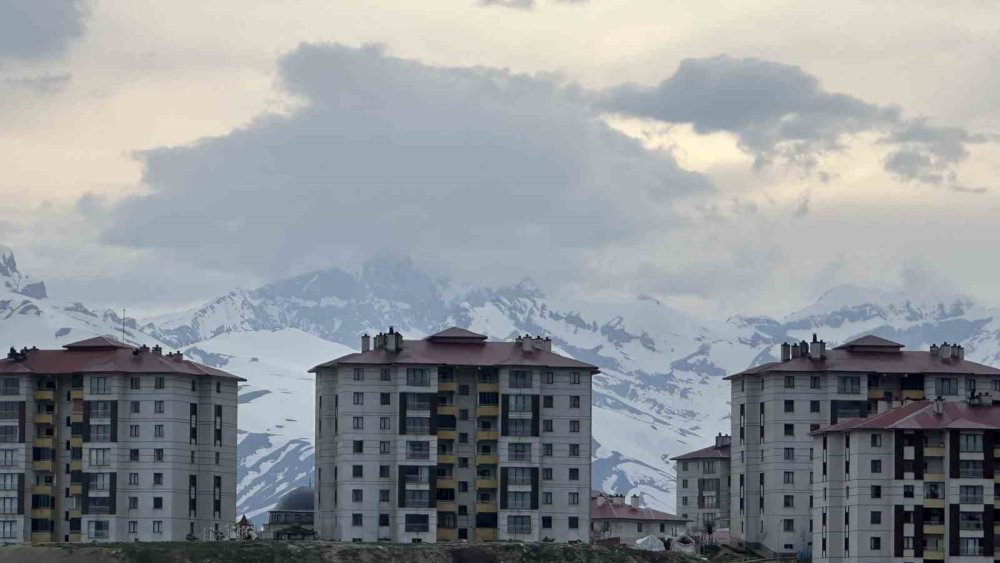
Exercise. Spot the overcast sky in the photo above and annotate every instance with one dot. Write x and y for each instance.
(722, 158)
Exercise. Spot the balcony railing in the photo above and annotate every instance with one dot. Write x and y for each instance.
(519, 530)
(971, 499)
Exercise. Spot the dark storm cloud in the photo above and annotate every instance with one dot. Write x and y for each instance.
(38, 28)
(779, 112)
(481, 166)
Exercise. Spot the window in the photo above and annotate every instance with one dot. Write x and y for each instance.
(8, 434)
(789, 406)
(970, 469)
(157, 478)
(133, 478)
(158, 454)
(546, 474)
(546, 449)
(10, 386)
(574, 474)
(134, 407)
(789, 477)
(876, 466)
(574, 450)
(417, 377)
(383, 447)
(385, 374)
(876, 543)
(357, 495)
(519, 524)
(574, 402)
(519, 452)
(359, 398)
(550, 377)
(546, 522)
(158, 407)
(418, 450)
(99, 386)
(574, 377)
(100, 457)
(788, 525)
(133, 430)
(358, 446)
(907, 491)
(357, 471)
(519, 501)
(383, 423)
(789, 501)
(357, 520)
(133, 503)
(134, 383)
(358, 423)
(789, 382)
(972, 443)
(574, 426)
(520, 379)
(385, 398)
(574, 522)
(814, 382)
(546, 498)
(971, 494)
(519, 427)
(157, 503)
(947, 386)
(383, 520)
(789, 430)
(547, 402)
(159, 382)
(383, 472)
(100, 432)
(877, 491)
(876, 517)
(359, 374)
(546, 426)
(383, 495)
(813, 406)
(876, 440)
(158, 431)
(789, 454)
(97, 529)
(218, 387)
(157, 526)
(849, 384)
(463, 389)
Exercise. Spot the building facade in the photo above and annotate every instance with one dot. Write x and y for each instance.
(914, 483)
(453, 437)
(775, 406)
(613, 519)
(102, 441)
(703, 480)
(293, 517)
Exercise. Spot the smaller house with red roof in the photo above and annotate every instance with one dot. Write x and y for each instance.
(614, 519)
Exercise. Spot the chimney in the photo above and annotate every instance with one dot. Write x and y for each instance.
(961, 352)
(366, 342)
(814, 348)
(723, 440)
(157, 351)
(786, 352)
(178, 356)
(934, 349)
(939, 406)
(804, 348)
(390, 340)
(617, 500)
(635, 501)
(528, 343)
(795, 350)
(600, 500)
(12, 353)
(822, 350)
(945, 352)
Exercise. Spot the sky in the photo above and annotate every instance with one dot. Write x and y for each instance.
(723, 157)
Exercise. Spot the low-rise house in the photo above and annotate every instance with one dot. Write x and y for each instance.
(614, 519)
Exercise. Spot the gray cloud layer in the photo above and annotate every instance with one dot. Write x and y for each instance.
(38, 28)
(779, 112)
(481, 167)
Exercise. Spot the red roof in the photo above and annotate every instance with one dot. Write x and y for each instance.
(465, 351)
(608, 511)
(105, 355)
(919, 415)
(856, 360)
(456, 334)
(711, 452)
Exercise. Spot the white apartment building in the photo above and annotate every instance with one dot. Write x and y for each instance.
(703, 479)
(102, 441)
(775, 407)
(453, 437)
(915, 483)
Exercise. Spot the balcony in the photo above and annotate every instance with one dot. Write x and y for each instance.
(914, 394)
(448, 410)
(934, 477)
(876, 393)
(493, 387)
(42, 465)
(44, 395)
(76, 394)
(76, 465)
(446, 434)
(482, 507)
(75, 513)
(487, 459)
(933, 529)
(970, 499)
(75, 537)
(75, 490)
(41, 537)
(933, 503)
(42, 490)
(488, 410)
(446, 506)
(76, 441)
(486, 435)
(486, 483)
(446, 483)
(933, 555)
(934, 451)
(447, 386)
(485, 534)
(42, 513)
(43, 442)
(42, 418)
(447, 534)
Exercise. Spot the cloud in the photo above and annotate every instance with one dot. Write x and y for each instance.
(496, 171)
(39, 28)
(524, 4)
(778, 112)
(42, 84)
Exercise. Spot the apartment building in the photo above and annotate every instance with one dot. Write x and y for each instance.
(453, 437)
(776, 405)
(914, 483)
(703, 479)
(102, 441)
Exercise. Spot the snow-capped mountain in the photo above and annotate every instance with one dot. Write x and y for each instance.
(660, 392)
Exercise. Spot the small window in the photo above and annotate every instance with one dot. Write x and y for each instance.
(876, 440)
(546, 522)
(134, 383)
(574, 426)
(383, 423)
(546, 498)
(383, 447)
(359, 446)
(877, 491)
(789, 430)
(574, 474)
(789, 454)
(385, 374)
(357, 495)
(876, 466)
(574, 498)
(463, 389)
(907, 491)
(813, 406)
(157, 407)
(788, 525)
(383, 520)
(574, 450)
(357, 471)
(157, 503)
(876, 517)
(549, 377)
(359, 374)
(383, 495)
(574, 522)
(385, 398)
(383, 472)
(158, 454)
(789, 477)
(546, 426)
(358, 422)
(359, 398)
(546, 474)
(789, 406)
(218, 387)
(357, 520)
(789, 382)
(814, 382)
(574, 377)
(547, 402)
(574, 402)
(789, 501)
(159, 382)
(876, 544)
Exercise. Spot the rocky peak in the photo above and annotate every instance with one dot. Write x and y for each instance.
(16, 282)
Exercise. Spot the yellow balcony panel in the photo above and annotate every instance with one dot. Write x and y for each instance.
(482, 507)
(75, 490)
(486, 483)
(41, 537)
(76, 465)
(876, 393)
(76, 441)
(446, 506)
(44, 395)
(933, 529)
(934, 477)
(996, 452)
(447, 386)
(44, 513)
(934, 555)
(487, 534)
(447, 534)
(915, 394)
(483, 459)
(446, 458)
(42, 490)
(934, 503)
(486, 435)
(42, 465)
(43, 442)
(45, 418)
(934, 451)
(488, 387)
(446, 483)
(76, 394)
(488, 410)
(448, 410)
(76, 513)
(446, 434)
(75, 537)
(76, 418)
